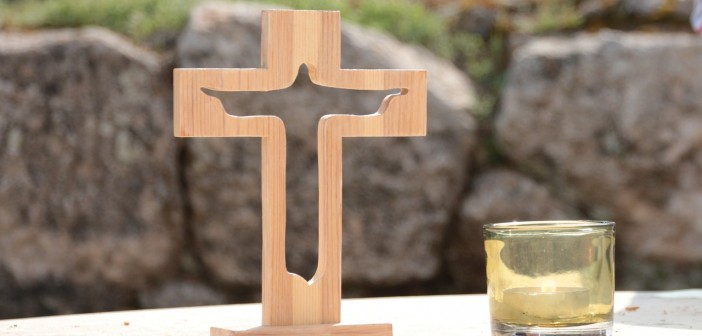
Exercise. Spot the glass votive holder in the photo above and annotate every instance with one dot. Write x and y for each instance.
(550, 277)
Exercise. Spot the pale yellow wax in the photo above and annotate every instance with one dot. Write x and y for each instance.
(544, 303)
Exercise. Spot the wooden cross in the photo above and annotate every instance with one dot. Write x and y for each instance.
(291, 38)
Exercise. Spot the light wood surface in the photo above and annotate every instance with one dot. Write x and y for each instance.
(289, 39)
(677, 313)
(305, 330)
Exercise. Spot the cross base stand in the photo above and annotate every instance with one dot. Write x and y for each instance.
(310, 330)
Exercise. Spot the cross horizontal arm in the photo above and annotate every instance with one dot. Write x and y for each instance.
(403, 114)
(361, 79)
(261, 79)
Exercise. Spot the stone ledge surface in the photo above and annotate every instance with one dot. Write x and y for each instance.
(674, 313)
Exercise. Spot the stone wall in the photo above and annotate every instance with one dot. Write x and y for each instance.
(612, 123)
(102, 209)
(89, 203)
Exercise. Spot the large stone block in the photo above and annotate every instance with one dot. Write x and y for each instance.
(88, 194)
(498, 195)
(614, 122)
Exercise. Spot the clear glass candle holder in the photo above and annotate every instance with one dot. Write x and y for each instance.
(550, 277)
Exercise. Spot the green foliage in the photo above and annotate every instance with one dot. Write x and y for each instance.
(408, 21)
(138, 19)
(141, 19)
(482, 59)
(311, 4)
(552, 15)
(557, 16)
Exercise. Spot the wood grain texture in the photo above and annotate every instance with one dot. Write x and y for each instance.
(290, 39)
(311, 330)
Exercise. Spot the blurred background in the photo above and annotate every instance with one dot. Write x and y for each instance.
(582, 109)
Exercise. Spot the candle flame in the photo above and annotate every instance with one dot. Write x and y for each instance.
(548, 286)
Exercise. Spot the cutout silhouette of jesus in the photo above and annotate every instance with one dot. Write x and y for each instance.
(291, 38)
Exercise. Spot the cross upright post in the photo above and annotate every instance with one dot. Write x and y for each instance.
(291, 38)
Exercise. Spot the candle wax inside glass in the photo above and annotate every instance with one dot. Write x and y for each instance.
(548, 303)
